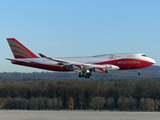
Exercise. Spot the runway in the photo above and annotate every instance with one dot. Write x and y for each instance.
(76, 115)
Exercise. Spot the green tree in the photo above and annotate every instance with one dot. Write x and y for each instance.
(110, 103)
(97, 103)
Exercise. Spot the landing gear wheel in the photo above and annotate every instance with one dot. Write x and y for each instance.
(88, 75)
(79, 75)
(139, 71)
(85, 74)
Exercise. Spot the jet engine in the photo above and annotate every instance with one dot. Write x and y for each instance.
(74, 66)
(100, 70)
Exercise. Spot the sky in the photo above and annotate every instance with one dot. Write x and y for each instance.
(71, 28)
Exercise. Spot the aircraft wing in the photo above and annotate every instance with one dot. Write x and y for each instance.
(80, 66)
(83, 69)
(65, 62)
(69, 62)
(54, 59)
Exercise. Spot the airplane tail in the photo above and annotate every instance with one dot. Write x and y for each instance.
(19, 50)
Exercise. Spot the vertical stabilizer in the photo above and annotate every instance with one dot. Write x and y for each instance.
(19, 50)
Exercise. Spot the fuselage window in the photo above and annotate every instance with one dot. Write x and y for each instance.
(144, 55)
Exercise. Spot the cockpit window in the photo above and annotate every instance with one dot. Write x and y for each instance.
(144, 55)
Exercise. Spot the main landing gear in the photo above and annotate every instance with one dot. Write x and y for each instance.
(86, 74)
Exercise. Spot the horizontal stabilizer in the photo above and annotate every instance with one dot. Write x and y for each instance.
(15, 60)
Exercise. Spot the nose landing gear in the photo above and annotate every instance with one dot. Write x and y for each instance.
(139, 71)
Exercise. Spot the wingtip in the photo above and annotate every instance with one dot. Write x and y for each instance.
(42, 55)
(7, 58)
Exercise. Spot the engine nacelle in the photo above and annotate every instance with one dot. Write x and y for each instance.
(100, 70)
(111, 67)
(74, 66)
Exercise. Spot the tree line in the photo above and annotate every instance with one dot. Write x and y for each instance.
(152, 72)
(142, 95)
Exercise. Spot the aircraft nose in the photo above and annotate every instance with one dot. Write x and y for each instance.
(152, 61)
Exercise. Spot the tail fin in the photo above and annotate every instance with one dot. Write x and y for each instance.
(19, 50)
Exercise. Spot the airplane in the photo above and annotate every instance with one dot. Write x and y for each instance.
(85, 66)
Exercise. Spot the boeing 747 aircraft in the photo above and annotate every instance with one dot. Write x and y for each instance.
(85, 66)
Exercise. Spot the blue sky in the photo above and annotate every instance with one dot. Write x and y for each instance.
(67, 28)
